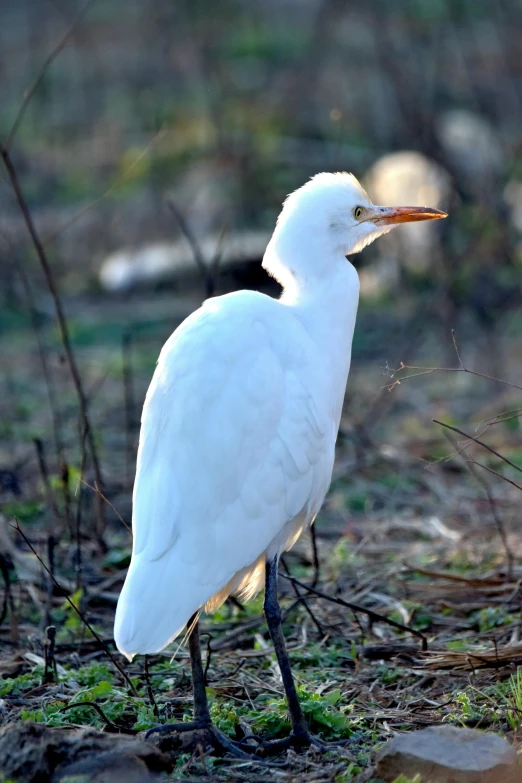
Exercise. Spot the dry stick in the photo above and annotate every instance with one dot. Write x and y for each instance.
(302, 600)
(4, 570)
(51, 543)
(100, 641)
(56, 418)
(150, 692)
(64, 478)
(110, 725)
(479, 442)
(41, 73)
(44, 472)
(78, 525)
(315, 556)
(62, 323)
(430, 370)
(469, 461)
(499, 522)
(209, 656)
(115, 185)
(208, 272)
(106, 500)
(494, 473)
(50, 671)
(375, 616)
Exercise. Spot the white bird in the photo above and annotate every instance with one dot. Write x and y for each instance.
(239, 427)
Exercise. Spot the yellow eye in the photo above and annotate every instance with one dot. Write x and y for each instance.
(357, 212)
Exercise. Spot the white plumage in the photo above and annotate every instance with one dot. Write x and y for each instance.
(240, 420)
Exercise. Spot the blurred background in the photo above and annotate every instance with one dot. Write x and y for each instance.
(154, 156)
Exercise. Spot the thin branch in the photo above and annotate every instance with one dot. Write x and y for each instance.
(429, 370)
(44, 473)
(457, 349)
(150, 692)
(494, 473)
(115, 185)
(479, 442)
(315, 555)
(62, 323)
(510, 558)
(95, 489)
(100, 641)
(375, 616)
(41, 73)
(110, 725)
(302, 600)
(208, 271)
(56, 418)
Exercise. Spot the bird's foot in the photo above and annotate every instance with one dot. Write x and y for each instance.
(203, 732)
(199, 732)
(302, 741)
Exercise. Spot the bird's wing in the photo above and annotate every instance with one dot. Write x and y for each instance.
(229, 449)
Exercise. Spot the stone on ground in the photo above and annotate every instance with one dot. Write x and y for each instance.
(32, 752)
(447, 754)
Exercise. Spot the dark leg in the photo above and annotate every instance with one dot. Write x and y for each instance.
(201, 712)
(273, 618)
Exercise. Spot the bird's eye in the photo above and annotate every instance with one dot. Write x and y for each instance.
(357, 212)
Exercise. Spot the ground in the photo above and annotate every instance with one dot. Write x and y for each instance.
(412, 533)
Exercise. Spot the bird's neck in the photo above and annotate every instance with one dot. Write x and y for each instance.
(328, 307)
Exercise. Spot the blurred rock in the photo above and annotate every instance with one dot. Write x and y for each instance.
(32, 752)
(404, 178)
(471, 144)
(447, 754)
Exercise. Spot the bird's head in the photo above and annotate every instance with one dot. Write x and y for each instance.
(330, 217)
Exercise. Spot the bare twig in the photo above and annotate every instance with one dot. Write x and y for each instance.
(110, 725)
(499, 522)
(209, 656)
(51, 543)
(494, 472)
(115, 185)
(429, 370)
(62, 323)
(41, 73)
(208, 271)
(44, 473)
(150, 692)
(375, 616)
(302, 600)
(4, 570)
(50, 671)
(315, 556)
(479, 442)
(56, 419)
(16, 526)
(106, 500)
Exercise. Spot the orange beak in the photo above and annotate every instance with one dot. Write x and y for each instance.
(389, 216)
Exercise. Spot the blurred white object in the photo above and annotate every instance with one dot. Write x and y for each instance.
(156, 262)
(471, 144)
(513, 198)
(398, 178)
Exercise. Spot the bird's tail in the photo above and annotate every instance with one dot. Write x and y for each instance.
(153, 608)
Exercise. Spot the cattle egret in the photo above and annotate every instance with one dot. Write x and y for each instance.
(238, 431)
